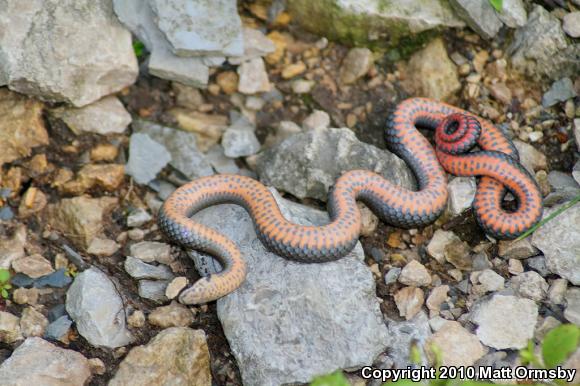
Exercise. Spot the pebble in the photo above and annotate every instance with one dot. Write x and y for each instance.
(561, 91)
(172, 315)
(59, 329)
(557, 291)
(153, 290)
(515, 267)
(37, 360)
(239, 140)
(151, 251)
(33, 266)
(318, 119)
(139, 270)
(104, 152)
(513, 13)
(369, 222)
(505, 322)
(256, 44)
(489, 281)
(103, 247)
(175, 286)
(479, 15)
(136, 234)
(531, 159)
(538, 264)
(138, 217)
(146, 158)
(25, 296)
(293, 70)
(94, 304)
(521, 249)
(572, 311)
(356, 64)
(228, 82)
(501, 93)
(301, 86)
(208, 128)
(32, 322)
(571, 24)
(97, 366)
(218, 160)
(461, 194)
(409, 301)
(458, 346)
(415, 274)
(437, 297)
(530, 285)
(253, 77)
(438, 244)
(57, 279)
(136, 319)
(10, 331)
(392, 275)
(177, 355)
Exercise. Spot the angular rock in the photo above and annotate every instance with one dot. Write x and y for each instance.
(139, 18)
(153, 290)
(318, 119)
(239, 140)
(307, 164)
(513, 13)
(33, 266)
(479, 15)
(38, 362)
(21, 126)
(409, 301)
(439, 242)
(458, 346)
(294, 303)
(146, 158)
(437, 297)
(185, 155)
(218, 160)
(9, 328)
(489, 281)
(355, 65)
(376, 21)
(560, 243)
(12, 246)
(44, 32)
(105, 116)
(461, 194)
(572, 311)
(415, 274)
(505, 322)
(140, 270)
(176, 356)
(150, 251)
(530, 285)
(173, 315)
(175, 286)
(138, 217)
(532, 159)
(561, 91)
(521, 249)
(432, 74)
(93, 302)
(540, 48)
(198, 27)
(103, 247)
(32, 323)
(402, 336)
(208, 128)
(256, 45)
(557, 291)
(253, 77)
(59, 329)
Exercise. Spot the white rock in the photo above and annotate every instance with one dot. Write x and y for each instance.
(318, 119)
(150, 251)
(571, 24)
(409, 301)
(458, 346)
(105, 116)
(557, 291)
(461, 194)
(530, 285)
(440, 240)
(572, 311)
(505, 322)
(437, 297)
(256, 44)
(146, 158)
(415, 274)
(138, 217)
(490, 281)
(253, 77)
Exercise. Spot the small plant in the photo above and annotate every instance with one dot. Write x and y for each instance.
(557, 346)
(497, 4)
(5, 285)
(138, 47)
(334, 379)
(71, 271)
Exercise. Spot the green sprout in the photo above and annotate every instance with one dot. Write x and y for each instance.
(497, 4)
(5, 283)
(138, 47)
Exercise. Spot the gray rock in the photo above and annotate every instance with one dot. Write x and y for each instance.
(489, 281)
(513, 13)
(58, 329)
(530, 285)
(560, 180)
(307, 164)
(93, 302)
(253, 77)
(403, 335)
(256, 44)
(561, 91)
(479, 15)
(557, 291)
(392, 275)
(318, 119)
(559, 240)
(239, 139)
(37, 362)
(461, 194)
(138, 217)
(139, 18)
(439, 243)
(146, 158)
(284, 337)
(140, 270)
(182, 145)
(532, 159)
(218, 160)
(572, 311)
(153, 290)
(505, 321)
(576, 170)
(540, 49)
(415, 274)
(538, 264)
(42, 33)
(374, 21)
(517, 249)
(355, 65)
(571, 24)
(150, 251)
(199, 27)
(10, 330)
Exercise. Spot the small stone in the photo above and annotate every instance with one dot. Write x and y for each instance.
(177, 355)
(415, 274)
(437, 297)
(530, 285)
(32, 323)
(218, 160)
(515, 267)
(501, 93)
(253, 77)
(103, 247)
(136, 319)
(25, 296)
(228, 82)
(12, 244)
(301, 86)
(392, 275)
(561, 91)
(9, 328)
(293, 70)
(489, 281)
(571, 24)
(57, 279)
(153, 290)
(255, 45)
(105, 116)
(458, 347)
(33, 201)
(505, 322)
(513, 13)
(33, 266)
(355, 65)
(572, 311)
(150, 251)
(173, 315)
(369, 221)
(140, 270)
(479, 15)
(458, 253)
(455, 274)
(146, 158)
(409, 301)
(187, 96)
(97, 366)
(521, 249)
(438, 244)
(557, 291)
(239, 140)
(107, 176)
(175, 286)
(318, 119)
(461, 194)
(138, 218)
(59, 329)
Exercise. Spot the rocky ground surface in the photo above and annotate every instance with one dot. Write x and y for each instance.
(92, 146)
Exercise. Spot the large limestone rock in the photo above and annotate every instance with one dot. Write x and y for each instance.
(72, 51)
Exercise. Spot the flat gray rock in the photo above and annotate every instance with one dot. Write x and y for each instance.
(479, 15)
(94, 304)
(185, 156)
(403, 334)
(561, 91)
(43, 32)
(200, 27)
(146, 158)
(290, 321)
(307, 164)
(140, 270)
(139, 18)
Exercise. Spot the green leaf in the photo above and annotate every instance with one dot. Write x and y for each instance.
(559, 343)
(497, 4)
(335, 379)
(4, 275)
(527, 353)
(4, 293)
(138, 47)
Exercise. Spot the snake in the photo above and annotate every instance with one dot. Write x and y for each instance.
(457, 132)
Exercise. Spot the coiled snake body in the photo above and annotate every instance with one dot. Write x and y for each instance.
(457, 131)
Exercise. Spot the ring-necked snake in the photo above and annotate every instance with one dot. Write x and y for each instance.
(457, 131)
